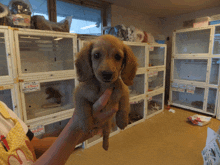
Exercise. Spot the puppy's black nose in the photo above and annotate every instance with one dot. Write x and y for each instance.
(107, 75)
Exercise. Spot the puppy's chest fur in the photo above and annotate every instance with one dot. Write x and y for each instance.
(96, 89)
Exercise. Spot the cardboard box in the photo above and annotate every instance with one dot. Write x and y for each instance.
(201, 24)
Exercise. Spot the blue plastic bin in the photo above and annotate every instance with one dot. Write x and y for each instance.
(214, 22)
(160, 41)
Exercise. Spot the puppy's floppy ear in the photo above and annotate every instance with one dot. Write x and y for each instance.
(84, 64)
(130, 66)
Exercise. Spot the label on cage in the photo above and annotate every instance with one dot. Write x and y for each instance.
(174, 89)
(151, 48)
(38, 130)
(174, 85)
(190, 89)
(182, 88)
(150, 74)
(155, 73)
(30, 86)
(6, 87)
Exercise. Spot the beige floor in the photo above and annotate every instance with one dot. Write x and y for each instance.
(164, 139)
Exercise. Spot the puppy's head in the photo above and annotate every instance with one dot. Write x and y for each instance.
(106, 58)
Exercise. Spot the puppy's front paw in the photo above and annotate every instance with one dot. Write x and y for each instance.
(121, 124)
(105, 146)
(121, 119)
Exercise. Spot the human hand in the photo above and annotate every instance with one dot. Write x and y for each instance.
(99, 116)
(73, 133)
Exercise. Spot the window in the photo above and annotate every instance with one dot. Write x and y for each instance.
(39, 8)
(5, 2)
(85, 20)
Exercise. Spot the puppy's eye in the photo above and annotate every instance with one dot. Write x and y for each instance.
(97, 56)
(117, 57)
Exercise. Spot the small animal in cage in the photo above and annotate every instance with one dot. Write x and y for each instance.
(103, 63)
(197, 104)
(153, 105)
(53, 93)
(211, 107)
(133, 117)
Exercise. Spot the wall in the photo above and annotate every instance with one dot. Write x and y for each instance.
(165, 26)
(120, 15)
(175, 23)
(169, 24)
(129, 17)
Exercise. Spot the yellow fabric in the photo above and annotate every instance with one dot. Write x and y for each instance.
(19, 152)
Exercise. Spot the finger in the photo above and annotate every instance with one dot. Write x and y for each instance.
(102, 101)
(92, 133)
(89, 134)
(102, 117)
(97, 115)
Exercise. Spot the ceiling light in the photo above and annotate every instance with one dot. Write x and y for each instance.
(44, 41)
(36, 38)
(57, 39)
(90, 26)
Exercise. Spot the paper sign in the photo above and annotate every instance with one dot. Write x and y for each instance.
(181, 90)
(182, 86)
(190, 89)
(174, 85)
(6, 87)
(150, 74)
(155, 73)
(151, 48)
(38, 130)
(30, 86)
(174, 89)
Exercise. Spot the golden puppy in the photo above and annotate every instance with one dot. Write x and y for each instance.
(104, 62)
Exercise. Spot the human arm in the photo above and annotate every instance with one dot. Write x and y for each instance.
(73, 134)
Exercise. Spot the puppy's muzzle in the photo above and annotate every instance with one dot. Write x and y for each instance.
(107, 75)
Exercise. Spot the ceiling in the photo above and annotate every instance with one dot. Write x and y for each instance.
(164, 8)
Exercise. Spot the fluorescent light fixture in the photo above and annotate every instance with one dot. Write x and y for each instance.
(29, 37)
(72, 31)
(90, 26)
(57, 39)
(44, 41)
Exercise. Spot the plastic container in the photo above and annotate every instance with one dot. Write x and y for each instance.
(214, 22)
(215, 17)
(201, 24)
(160, 41)
(20, 13)
(202, 19)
